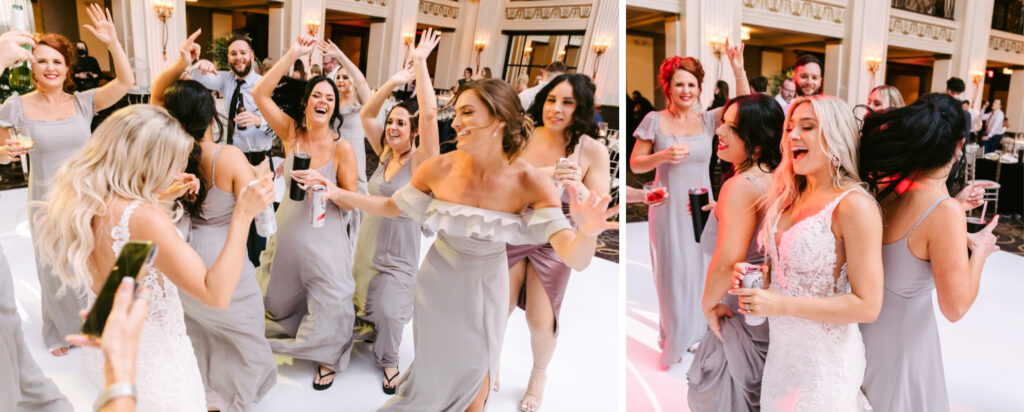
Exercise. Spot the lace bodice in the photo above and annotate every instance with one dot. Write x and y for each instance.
(811, 365)
(166, 373)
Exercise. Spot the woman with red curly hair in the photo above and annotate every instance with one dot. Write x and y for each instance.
(677, 142)
(59, 123)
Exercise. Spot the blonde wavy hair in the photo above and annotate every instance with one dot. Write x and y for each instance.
(890, 96)
(840, 141)
(134, 154)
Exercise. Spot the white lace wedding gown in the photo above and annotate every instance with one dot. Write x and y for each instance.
(811, 366)
(166, 372)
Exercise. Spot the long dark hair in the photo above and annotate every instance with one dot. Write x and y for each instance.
(413, 108)
(582, 117)
(192, 105)
(759, 125)
(898, 143)
(336, 120)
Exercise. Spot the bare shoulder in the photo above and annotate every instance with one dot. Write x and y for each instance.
(434, 167)
(948, 210)
(150, 221)
(859, 210)
(593, 147)
(738, 190)
(343, 147)
(232, 155)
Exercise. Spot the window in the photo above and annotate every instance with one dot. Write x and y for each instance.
(529, 53)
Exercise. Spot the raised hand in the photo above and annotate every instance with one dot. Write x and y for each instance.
(973, 195)
(329, 48)
(428, 41)
(406, 75)
(190, 50)
(11, 50)
(735, 54)
(303, 45)
(592, 213)
(102, 24)
(184, 183)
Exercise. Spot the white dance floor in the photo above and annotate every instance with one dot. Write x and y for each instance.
(584, 374)
(981, 353)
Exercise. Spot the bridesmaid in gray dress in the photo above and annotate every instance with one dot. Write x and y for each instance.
(462, 285)
(563, 117)
(726, 370)
(234, 357)
(59, 123)
(353, 91)
(22, 384)
(925, 246)
(306, 280)
(677, 142)
(388, 250)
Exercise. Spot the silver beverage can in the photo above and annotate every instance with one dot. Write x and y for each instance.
(317, 205)
(753, 279)
(266, 224)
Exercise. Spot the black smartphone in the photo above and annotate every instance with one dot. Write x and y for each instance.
(135, 256)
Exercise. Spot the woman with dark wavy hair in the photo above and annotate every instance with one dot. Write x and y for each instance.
(925, 244)
(58, 120)
(726, 370)
(477, 199)
(305, 275)
(234, 357)
(563, 118)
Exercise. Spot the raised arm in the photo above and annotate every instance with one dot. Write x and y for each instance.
(215, 285)
(189, 52)
(103, 28)
(368, 114)
(12, 53)
(279, 121)
(735, 54)
(358, 80)
(430, 144)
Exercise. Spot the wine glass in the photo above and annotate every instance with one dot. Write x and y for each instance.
(654, 193)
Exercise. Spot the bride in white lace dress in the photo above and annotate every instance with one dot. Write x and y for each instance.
(119, 188)
(823, 237)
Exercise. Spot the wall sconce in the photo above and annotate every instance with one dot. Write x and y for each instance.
(409, 38)
(479, 46)
(1007, 71)
(599, 48)
(312, 26)
(717, 46)
(744, 33)
(164, 11)
(561, 55)
(874, 63)
(527, 51)
(977, 76)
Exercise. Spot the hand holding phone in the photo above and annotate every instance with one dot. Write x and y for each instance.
(135, 257)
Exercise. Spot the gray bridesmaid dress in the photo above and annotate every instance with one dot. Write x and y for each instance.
(307, 282)
(726, 374)
(461, 301)
(904, 360)
(22, 383)
(55, 142)
(352, 131)
(678, 263)
(234, 357)
(387, 256)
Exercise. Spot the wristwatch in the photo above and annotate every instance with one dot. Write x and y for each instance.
(117, 390)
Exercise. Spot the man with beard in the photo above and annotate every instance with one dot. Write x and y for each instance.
(245, 125)
(807, 74)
